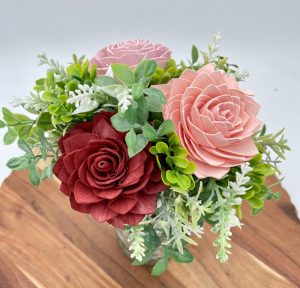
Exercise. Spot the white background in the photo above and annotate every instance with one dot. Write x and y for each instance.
(261, 36)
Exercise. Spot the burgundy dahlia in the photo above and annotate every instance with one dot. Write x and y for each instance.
(99, 178)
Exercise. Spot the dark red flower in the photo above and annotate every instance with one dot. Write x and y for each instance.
(99, 178)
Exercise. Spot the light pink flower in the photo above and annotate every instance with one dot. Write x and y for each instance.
(214, 118)
(130, 52)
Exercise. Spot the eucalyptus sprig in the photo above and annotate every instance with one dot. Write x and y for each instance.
(136, 101)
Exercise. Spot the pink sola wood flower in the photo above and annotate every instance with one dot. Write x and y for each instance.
(130, 52)
(214, 118)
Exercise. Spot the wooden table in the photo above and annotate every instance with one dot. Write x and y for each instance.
(44, 243)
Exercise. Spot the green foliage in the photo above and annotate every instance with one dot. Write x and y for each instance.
(160, 267)
(151, 243)
(270, 144)
(176, 169)
(123, 73)
(225, 201)
(155, 99)
(137, 101)
(170, 253)
(162, 76)
(211, 56)
(135, 143)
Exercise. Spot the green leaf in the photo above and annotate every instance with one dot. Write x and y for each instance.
(22, 118)
(44, 142)
(249, 194)
(160, 266)
(85, 68)
(141, 142)
(145, 69)
(180, 151)
(130, 138)
(93, 72)
(190, 169)
(24, 131)
(105, 81)
(10, 136)
(2, 124)
(44, 121)
(142, 111)
(74, 70)
(66, 118)
(123, 73)
(174, 140)
(18, 163)
(120, 122)
(180, 161)
(24, 146)
(49, 97)
(171, 176)
(256, 160)
(9, 117)
(155, 99)
(152, 150)
(165, 128)
(52, 108)
(256, 202)
(183, 181)
(47, 172)
(195, 54)
(264, 169)
(277, 195)
(162, 147)
(149, 132)
(34, 175)
(72, 85)
(255, 211)
(137, 90)
(185, 257)
(263, 130)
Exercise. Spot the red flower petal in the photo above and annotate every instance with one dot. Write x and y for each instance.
(83, 208)
(72, 180)
(101, 212)
(58, 166)
(84, 195)
(78, 141)
(104, 129)
(69, 162)
(154, 187)
(63, 175)
(83, 127)
(82, 154)
(156, 174)
(131, 219)
(109, 193)
(146, 204)
(65, 189)
(122, 205)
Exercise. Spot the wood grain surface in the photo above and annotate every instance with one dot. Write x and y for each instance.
(45, 244)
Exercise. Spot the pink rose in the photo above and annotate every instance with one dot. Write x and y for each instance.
(214, 118)
(130, 52)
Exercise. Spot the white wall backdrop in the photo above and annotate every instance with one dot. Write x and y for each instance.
(261, 36)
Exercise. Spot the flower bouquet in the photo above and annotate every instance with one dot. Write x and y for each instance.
(150, 146)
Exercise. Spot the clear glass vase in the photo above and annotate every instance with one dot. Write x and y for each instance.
(124, 244)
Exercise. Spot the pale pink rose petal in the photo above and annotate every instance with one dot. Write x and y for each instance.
(130, 52)
(204, 170)
(214, 119)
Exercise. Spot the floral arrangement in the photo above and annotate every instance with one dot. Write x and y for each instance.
(149, 145)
